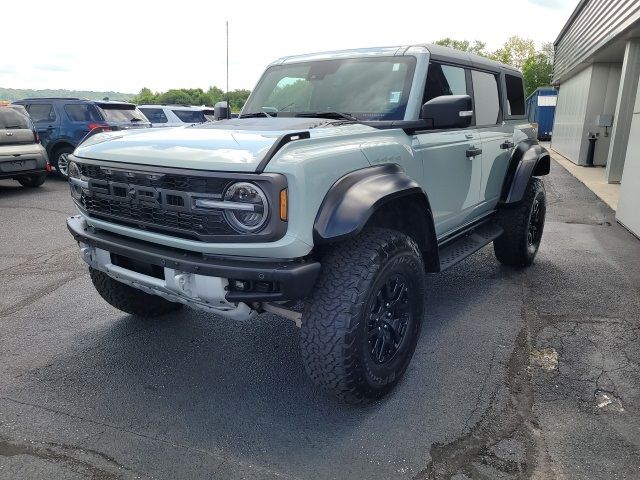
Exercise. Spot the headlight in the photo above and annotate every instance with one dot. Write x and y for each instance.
(248, 209)
(73, 171)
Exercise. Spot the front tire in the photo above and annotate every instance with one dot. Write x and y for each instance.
(32, 181)
(128, 299)
(523, 225)
(361, 325)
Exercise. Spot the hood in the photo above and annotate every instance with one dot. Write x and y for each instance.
(232, 145)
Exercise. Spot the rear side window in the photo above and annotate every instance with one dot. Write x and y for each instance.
(13, 119)
(155, 115)
(445, 80)
(190, 116)
(121, 113)
(487, 100)
(42, 113)
(515, 95)
(82, 113)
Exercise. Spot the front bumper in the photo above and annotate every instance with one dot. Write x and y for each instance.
(291, 280)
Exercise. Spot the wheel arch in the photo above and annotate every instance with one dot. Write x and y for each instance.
(377, 196)
(528, 159)
(53, 148)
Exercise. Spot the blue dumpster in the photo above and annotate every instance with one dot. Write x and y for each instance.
(541, 108)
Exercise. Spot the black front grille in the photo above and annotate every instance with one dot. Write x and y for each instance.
(157, 219)
(159, 202)
(169, 181)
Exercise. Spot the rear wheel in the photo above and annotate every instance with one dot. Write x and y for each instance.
(361, 325)
(61, 160)
(523, 225)
(32, 181)
(128, 299)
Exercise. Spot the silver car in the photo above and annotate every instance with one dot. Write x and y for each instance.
(22, 158)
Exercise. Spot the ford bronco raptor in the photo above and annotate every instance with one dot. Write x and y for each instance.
(346, 177)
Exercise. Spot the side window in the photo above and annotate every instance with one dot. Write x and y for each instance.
(81, 112)
(155, 115)
(445, 80)
(42, 113)
(515, 95)
(487, 100)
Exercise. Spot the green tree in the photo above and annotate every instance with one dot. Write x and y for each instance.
(538, 69)
(475, 46)
(515, 51)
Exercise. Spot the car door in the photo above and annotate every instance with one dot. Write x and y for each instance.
(451, 173)
(496, 136)
(45, 120)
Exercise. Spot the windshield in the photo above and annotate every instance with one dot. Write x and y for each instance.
(122, 113)
(365, 88)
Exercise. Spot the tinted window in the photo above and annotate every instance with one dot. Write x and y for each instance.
(190, 116)
(82, 112)
(515, 95)
(42, 113)
(487, 100)
(155, 115)
(121, 113)
(11, 118)
(445, 80)
(210, 115)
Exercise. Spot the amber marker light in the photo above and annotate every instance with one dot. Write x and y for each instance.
(283, 205)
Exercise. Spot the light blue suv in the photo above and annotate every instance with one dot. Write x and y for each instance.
(347, 176)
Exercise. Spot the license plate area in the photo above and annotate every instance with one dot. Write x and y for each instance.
(17, 165)
(144, 268)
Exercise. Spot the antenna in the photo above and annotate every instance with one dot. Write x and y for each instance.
(228, 104)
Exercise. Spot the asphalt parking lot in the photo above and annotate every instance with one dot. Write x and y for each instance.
(518, 373)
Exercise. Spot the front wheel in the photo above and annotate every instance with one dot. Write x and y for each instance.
(361, 325)
(523, 224)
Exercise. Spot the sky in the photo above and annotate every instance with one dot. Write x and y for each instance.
(126, 45)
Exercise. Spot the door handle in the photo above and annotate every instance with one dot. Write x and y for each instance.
(473, 152)
(506, 145)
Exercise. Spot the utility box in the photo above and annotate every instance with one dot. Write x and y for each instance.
(541, 108)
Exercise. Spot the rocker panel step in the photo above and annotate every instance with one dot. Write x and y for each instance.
(461, 248)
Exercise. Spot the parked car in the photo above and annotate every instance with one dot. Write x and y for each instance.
(62, 123)
(346, 177)
(22, 158)
(176, 115)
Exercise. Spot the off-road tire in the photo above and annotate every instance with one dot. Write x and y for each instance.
(334, 335)
(32, 181)
(128, 299)
(514, 247)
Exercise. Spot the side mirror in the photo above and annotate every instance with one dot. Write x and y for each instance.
(448, 111)
(221, 111)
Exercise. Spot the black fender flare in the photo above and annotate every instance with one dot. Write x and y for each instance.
(357, 196)
(527, 159)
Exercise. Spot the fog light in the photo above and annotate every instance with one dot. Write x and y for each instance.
(241, 285)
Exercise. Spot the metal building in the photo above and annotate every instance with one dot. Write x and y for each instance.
(597, 69)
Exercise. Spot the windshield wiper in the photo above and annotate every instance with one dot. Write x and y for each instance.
(136, 120)
(334, 115)
(254, 115)
(12, 127)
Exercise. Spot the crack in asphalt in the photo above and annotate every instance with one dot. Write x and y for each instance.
(68, 456)
(224, 459)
